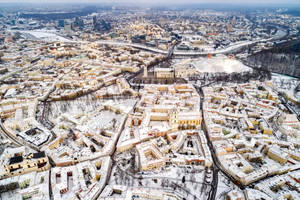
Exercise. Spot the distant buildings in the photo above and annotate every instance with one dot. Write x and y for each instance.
(61, 23)
(101, 25)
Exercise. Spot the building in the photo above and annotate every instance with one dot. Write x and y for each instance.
(150, 157)
(85, 180)
(164, 73)
(21, 160)
(276, 154)
(186, 120)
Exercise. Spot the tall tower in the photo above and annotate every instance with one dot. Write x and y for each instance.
(94, 22)
(145, 71)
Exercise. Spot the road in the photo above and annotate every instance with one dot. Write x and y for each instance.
(217, 167)
(179, 53)
(214, 184)
(117, 43)
(285, 101)
(168, 54)
(14, 140)
(7, 135)
(227, 50)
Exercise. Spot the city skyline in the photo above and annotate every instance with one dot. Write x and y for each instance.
(167, 2)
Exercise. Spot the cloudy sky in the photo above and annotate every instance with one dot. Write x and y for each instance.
(161, 1)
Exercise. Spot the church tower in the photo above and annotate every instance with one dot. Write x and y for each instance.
(145, 71)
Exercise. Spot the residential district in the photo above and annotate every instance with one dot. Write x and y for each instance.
(131, 103)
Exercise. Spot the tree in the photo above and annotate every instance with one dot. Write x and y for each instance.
(183, 179)
(193, 178)
(1, 55)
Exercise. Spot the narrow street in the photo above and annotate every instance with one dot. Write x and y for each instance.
(215, 168)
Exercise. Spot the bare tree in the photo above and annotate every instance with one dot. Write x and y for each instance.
(183, 179)
(1, 55)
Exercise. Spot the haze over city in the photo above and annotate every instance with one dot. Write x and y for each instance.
(161, 2)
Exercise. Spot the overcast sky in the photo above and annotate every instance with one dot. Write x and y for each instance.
(161, 1)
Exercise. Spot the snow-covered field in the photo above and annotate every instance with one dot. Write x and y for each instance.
(45, 35)
(220, 64)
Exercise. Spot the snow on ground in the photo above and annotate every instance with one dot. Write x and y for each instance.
(101, 120)
(224, 186)
(287, 85)
(220, 63)
(234, 46)
(279, 34)
(46, 35)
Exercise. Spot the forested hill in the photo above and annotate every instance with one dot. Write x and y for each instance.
(283, 59)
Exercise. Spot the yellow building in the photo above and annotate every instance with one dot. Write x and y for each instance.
(164, 73)
(184, 71)
(277, 155)
(265, 128)
(185, 119)
(19, 164)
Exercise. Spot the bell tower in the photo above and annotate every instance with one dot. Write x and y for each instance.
(145, 71)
